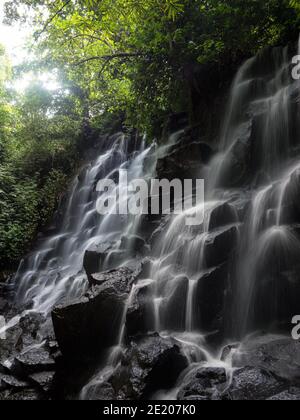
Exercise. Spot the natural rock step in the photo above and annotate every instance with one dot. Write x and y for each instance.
(37, 360)
(43, 380)
(10, 382)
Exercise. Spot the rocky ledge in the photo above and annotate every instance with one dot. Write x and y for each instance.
(264, 368)
(58, 364)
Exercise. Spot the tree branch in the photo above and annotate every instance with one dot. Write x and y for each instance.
(111, 57)
(87, 36)
(53, 17)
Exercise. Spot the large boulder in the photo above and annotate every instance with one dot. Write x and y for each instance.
(86, 327)
(27, 394)
(204, 384)
(11, 344)
(254, 384)
(33, 361)
(293, 394)
(120, 275)
(99, 391)
(44, 381)
(10, 382)
(149, 365)
(214, 383)
(278, 355)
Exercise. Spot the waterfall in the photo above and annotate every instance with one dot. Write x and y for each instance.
(230, 276)
(255, 172)
(55, 270)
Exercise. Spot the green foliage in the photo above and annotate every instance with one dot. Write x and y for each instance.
(39, 136)
(132, 57)
(18, 215)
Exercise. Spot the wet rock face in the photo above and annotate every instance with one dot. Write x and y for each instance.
(211, 294)
(23, 395)
(223, 215)
(254, 384)
(102, 392)
(291, 210)
(134, 244)
(184, 159)
(32, 362)
(137, 320)
(121, 276)
(88, 326)
(94, 259)
(220, 245)
(293, 394)
(3, 304)
(281, 356)
(12, 343)
(204, 384)
(174, 308)
(247, 384)
(265, 368)
(149, 365)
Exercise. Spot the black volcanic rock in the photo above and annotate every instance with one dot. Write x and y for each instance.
(31, 362)
(237, 167)
(204, 384)
(43, 380)
(211, 293)
(22, 395)
(254, 384)
(174, 307)
(247, 383)
(10, 382)
(183, 160)
(292, 394)
(101, 392)
(220, 245)
(222, 215)
(134, 244)
(149, 365)
(12, 343)
(121, 275)
(275, 354)
(94, 259)
(87, 326)
(137, 320)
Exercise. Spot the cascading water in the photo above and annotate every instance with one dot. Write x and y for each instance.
(212, 283)
(54, 271)
(255, 169)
